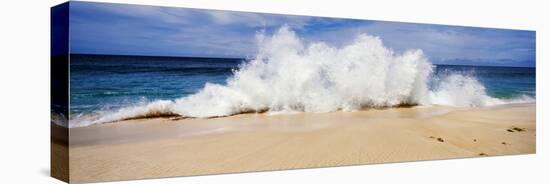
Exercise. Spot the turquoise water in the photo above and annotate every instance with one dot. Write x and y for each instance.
(109, 82)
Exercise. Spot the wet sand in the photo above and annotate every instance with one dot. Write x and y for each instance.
(164, 147)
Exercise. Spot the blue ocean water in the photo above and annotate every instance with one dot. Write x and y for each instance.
(500, 82)
(104, 82)
(101, 82)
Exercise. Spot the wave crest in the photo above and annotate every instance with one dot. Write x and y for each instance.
(288, 75)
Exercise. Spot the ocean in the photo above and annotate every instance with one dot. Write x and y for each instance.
(106, 85)
(106, 82)
(500, 82)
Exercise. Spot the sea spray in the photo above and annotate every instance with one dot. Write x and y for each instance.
(461, 90)
(289, 75)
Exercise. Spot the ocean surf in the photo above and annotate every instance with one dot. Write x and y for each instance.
(287, 74)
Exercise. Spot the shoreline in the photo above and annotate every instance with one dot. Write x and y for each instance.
(161, 147)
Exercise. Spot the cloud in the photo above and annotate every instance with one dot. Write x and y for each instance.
(151, 30)
(443, 44)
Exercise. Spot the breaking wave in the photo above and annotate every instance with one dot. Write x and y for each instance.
(288, 74)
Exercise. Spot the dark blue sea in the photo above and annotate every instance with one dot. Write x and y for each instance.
(103, 82)
(110, 82)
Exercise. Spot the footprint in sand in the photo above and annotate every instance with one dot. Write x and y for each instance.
(515, 129)
(438, 139)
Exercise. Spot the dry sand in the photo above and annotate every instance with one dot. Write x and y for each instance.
(162, 147)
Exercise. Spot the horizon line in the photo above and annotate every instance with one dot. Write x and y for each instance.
(245, 58)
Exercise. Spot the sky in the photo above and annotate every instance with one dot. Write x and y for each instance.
(99, 28)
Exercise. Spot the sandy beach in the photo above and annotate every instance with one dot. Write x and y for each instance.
(164, 147)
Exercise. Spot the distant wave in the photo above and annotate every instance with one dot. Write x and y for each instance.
(288, 74)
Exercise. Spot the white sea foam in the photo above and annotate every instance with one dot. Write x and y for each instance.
(288, 75)
(153, 109)
(461, 90)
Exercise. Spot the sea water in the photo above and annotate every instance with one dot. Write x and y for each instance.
(286, 74)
